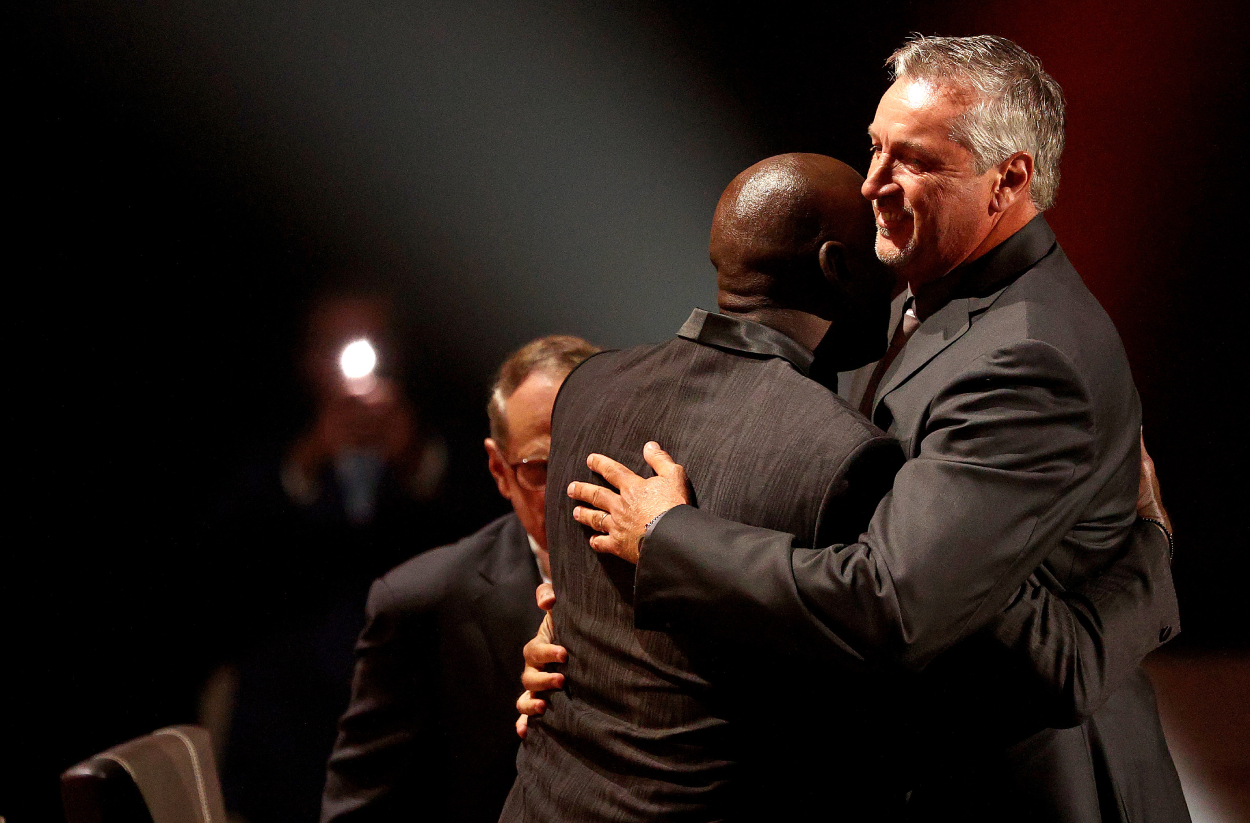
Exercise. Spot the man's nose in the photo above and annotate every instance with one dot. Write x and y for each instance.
(880, 180)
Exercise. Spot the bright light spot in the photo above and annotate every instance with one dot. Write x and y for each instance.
(358, 359)
(919, 93)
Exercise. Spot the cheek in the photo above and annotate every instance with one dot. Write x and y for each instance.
(920, 195)
(536, 503)
(942, 207)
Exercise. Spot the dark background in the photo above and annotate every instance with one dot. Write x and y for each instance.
(187, 177)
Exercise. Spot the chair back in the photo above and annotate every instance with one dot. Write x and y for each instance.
(164, 777)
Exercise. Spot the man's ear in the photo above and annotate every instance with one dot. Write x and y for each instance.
(1014, 176)
(498, 466)
(833, 263)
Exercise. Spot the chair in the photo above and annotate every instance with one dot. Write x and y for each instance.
(164, 777)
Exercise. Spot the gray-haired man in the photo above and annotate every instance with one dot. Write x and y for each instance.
(1010, 392)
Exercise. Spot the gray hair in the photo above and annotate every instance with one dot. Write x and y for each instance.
(1017, 106)
(555, 355)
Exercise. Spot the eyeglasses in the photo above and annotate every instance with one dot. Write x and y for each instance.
(531, 473)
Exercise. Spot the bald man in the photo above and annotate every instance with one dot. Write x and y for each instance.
(646, 726)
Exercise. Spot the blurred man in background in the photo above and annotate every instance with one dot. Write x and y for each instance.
(363, 485)
(428, 733)
(364, 449)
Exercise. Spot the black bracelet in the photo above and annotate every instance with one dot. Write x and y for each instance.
(1159, 523)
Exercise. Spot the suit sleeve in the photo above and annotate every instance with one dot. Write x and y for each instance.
(989, 495)
(1076, 645)
(383, 752)
(706, 577)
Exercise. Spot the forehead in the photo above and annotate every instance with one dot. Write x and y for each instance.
(918, 110)
(527, 412)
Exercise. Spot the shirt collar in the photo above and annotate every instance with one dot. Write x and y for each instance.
(537, 550)
(995, 269)
(746, 336)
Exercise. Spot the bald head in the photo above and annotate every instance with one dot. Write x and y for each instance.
(771, 225)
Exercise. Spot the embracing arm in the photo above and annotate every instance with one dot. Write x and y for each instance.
(969, 520)
(1072, 645)
(1078, 644)
(539, 652)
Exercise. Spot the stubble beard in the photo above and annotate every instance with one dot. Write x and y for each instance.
(893, 256)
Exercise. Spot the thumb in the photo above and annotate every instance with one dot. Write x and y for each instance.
(545, 594)
(658, 459)
(546, 630)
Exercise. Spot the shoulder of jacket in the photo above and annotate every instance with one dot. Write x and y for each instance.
(422, 582)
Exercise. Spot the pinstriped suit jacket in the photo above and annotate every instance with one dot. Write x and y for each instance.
(646, 727)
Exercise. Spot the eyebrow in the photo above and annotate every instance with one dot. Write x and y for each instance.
(905, 144)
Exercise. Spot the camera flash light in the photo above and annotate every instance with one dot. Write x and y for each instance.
(358, 359)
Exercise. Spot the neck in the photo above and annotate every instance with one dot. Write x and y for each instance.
(932, 294)
(801, 327)
(1011, 222)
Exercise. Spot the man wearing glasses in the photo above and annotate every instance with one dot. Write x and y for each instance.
(429, 726)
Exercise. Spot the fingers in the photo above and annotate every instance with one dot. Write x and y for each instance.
(595, 519)
(611, 544)
(610, 541)
(659, 460)
(537, 680)
(615, 473)
(1149, 494)
(529, 705)
(596, 496)
(545, 594)
(539, 652)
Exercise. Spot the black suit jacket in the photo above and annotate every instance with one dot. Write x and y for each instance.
(429, 731)
(1015, 406)
(650, 725)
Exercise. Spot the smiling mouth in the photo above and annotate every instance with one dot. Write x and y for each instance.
(888, 219)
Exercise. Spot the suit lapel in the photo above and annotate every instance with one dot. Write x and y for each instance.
(928, 341)
(982, 283)
(934, 336)
(503, 597)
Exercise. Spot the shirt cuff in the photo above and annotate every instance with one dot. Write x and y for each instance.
(654, 521)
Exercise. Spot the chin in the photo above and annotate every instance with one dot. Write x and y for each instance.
(891, 255)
